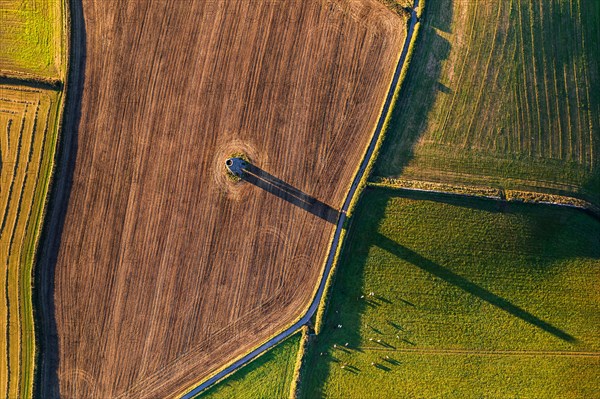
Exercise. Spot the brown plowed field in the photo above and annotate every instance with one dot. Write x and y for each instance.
(166, 269)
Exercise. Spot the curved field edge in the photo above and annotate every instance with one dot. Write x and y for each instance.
(31, 246)
(269, 375)
(318, 320)
(32, 222)
(361, 186)
(24, 201)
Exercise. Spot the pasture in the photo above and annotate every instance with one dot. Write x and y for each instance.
(443, 297)
(31, 38)
(165, 268)
(503, 93)
(269, 376)
(28, 121)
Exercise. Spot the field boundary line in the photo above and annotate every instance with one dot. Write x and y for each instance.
(39, 166)
(491, 193)
(482, 352)
(48, 217)
(31, 80)
(335, 245)
(299, 364)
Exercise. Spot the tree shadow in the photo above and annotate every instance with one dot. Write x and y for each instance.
(260, 178)
(418, 93)
(559, 225)
(456, 280)
(35, 83)
(46, 382)
(349, 284)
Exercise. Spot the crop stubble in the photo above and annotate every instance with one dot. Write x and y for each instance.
(166, 270)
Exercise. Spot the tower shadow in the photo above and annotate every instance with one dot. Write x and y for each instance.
(456, 280)
(258, 177)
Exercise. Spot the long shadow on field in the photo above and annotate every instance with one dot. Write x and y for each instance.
(46, 376)
(254, 175)
(470, 287)
(419, 91)
(45, 84)
(548, 223)
(349, 301)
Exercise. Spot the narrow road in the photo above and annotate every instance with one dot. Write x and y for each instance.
(338, 230)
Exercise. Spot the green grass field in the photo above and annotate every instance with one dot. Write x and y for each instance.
(31, 37)
(503, 93)
(269, 376)
(472, 298)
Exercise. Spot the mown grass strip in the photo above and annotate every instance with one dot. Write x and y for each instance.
(24, 164)
(32, 75)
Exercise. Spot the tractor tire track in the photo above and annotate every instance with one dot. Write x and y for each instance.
(339, 227)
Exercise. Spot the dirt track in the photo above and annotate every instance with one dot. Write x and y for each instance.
(165, 269)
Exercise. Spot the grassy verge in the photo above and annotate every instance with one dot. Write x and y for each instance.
(470, 298)
(298, 367)
(268, 376)
(388, 116)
